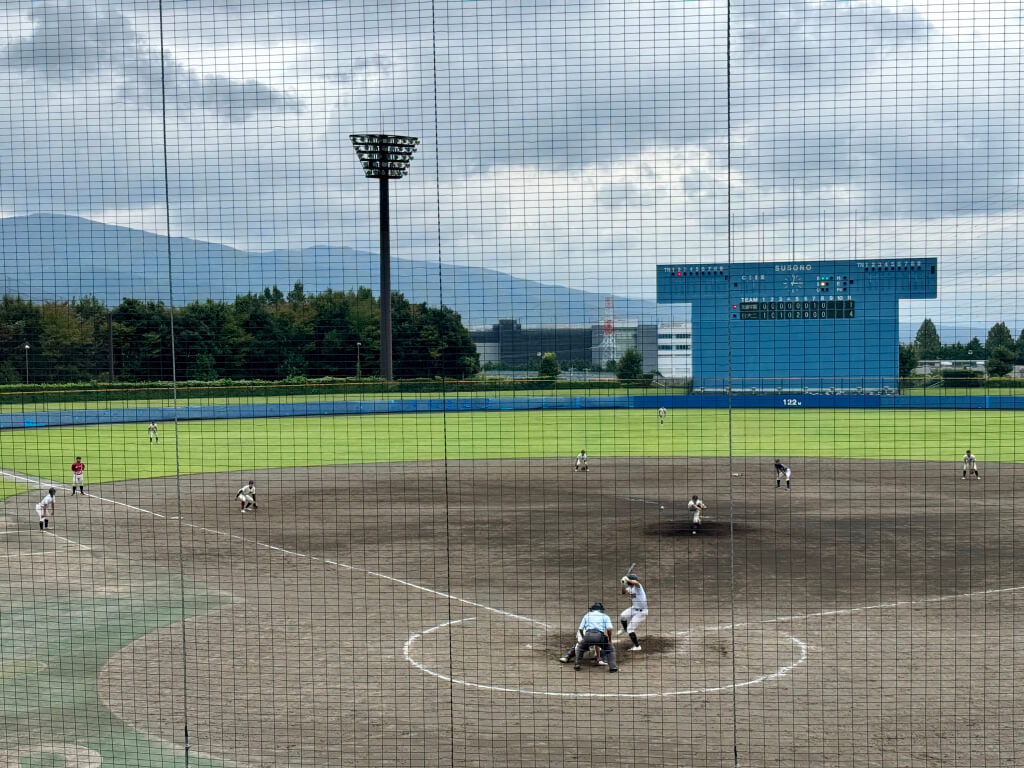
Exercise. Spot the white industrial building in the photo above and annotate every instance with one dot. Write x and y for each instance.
(675, 350)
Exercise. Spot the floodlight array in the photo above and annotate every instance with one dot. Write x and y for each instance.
(384, 156)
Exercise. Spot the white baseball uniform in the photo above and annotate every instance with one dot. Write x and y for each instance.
(581, 460)
(244, 497)
(782, 472)
(696, 509)
(636, 614)
(970, 464)
(43, 507)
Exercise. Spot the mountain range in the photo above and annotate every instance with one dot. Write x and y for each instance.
(45, 257)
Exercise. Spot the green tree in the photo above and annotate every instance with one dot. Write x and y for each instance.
(549, 367)
(210, 340)
(908, 359)
(66, 342)
(9, 374)
(1001, 361)
(142, 340)
(999, 336)
(975, 349)
(630, 365)
(927, 341)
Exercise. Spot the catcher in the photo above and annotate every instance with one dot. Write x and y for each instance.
(595, 631)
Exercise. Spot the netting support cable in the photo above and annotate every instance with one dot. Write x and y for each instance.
(174, 380)
(444, 410)
(729, 379)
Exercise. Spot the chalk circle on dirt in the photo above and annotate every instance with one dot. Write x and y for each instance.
(701, 661)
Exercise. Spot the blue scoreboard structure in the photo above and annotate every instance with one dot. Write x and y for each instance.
(797, 326)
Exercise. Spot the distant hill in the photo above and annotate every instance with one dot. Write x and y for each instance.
(45, 257)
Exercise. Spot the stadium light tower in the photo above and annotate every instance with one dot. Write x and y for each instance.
(384, 157)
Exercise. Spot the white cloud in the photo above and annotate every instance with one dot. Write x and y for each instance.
(578, 144)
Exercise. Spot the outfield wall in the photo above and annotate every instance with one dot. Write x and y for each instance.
(83, 417)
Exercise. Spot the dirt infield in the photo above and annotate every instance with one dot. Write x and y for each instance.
(412, 614)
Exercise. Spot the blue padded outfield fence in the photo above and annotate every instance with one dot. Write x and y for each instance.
(90, 416)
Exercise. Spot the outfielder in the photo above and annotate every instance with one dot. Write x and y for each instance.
(154, 437)
(45, 507)
(782, 471)
(971, 465)
(247, 497)
(661, 415)
(595, 631)
(636, 614)
(581, 462)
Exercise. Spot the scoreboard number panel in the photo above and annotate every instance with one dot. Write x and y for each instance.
(797, 310)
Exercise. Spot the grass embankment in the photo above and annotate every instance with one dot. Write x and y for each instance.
(123, 451)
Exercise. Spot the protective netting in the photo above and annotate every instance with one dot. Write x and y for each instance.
(706, 313)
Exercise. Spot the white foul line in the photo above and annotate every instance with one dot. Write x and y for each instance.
(780, 672)
(254, 542)
(46, 484)
(863, 608)
(44, 552)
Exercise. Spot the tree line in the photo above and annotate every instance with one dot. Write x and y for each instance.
(1000, 352)
(268, 336)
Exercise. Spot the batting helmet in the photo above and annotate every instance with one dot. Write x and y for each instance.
(597, 606)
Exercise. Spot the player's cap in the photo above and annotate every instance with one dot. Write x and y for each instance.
(598, 606)
(632, 577)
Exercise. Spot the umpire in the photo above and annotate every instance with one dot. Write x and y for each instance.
(596, 630)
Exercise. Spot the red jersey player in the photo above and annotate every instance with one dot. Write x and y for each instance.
(77, 470)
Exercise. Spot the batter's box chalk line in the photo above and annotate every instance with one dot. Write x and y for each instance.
(802, 648)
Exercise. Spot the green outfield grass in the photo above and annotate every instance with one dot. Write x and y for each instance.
(7, 488)
(8, 404)
(123, 451)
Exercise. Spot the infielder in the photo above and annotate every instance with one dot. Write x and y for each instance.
(661, 415)
(247, 497)
(782, 471)
(581, 462)
(153, 436)
(636, 614)
(971, 465)
(45, 507)
(77, 471)
(595, 631)
(696, 507)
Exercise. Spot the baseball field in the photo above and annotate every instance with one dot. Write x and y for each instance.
(403, 593)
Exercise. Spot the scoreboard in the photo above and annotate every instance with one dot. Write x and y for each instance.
(796, 310)
(797, 325)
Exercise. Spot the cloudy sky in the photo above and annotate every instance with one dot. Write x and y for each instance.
(576, 143)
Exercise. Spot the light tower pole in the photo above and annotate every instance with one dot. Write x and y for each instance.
(384, 157)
